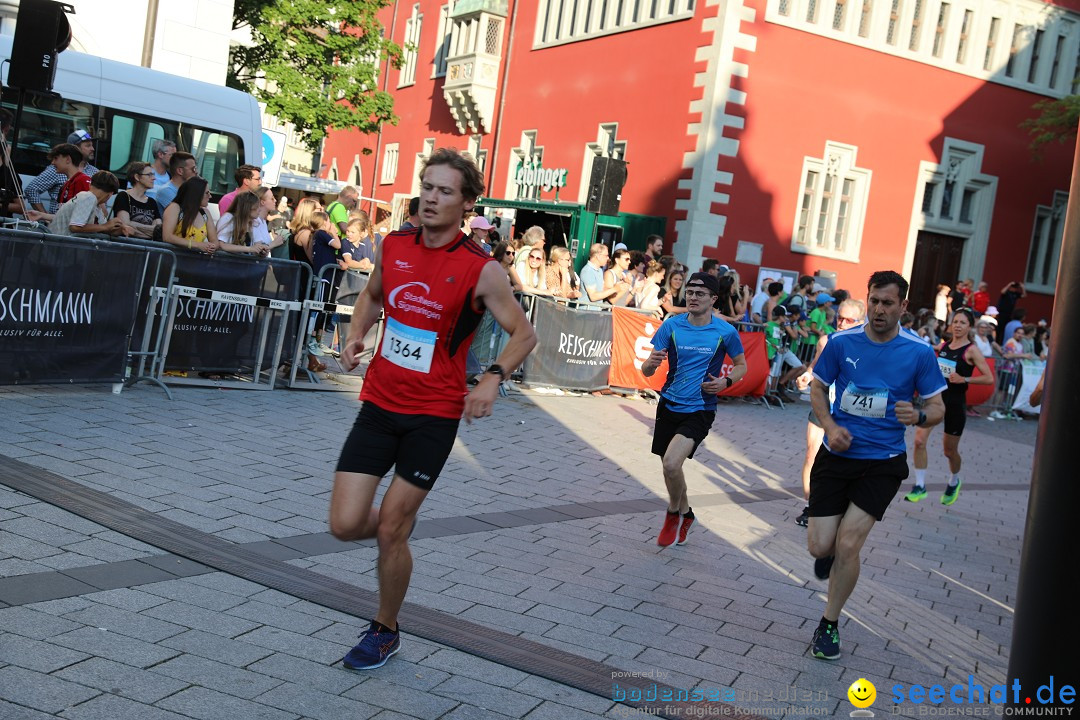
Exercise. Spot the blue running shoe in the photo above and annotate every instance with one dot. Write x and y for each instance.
(826, 643)
(373, 650)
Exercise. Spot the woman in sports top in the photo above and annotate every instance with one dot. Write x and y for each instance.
(957, 360)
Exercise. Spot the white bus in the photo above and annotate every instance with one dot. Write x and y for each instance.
(126, 108)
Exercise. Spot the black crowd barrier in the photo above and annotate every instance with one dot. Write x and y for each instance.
(70, 307)
(211, 336)
(573, 348)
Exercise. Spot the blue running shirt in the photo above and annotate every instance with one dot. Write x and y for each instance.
(694, 351)
(870, 378)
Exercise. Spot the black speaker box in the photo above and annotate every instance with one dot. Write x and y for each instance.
(605, 185)
(41, 34)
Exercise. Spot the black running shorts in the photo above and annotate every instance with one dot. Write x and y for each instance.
(837, 481)
(692, 425)
(416, 446)
(955, 413)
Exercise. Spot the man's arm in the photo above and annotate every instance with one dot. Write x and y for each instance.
(365, 313)
(494, 292)
(839, 437)
(40, 186)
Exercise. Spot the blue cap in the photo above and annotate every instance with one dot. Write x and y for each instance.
(823, 298)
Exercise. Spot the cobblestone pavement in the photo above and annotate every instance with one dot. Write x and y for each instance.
(542, 526)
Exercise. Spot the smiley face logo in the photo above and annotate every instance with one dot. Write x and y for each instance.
(862, 693)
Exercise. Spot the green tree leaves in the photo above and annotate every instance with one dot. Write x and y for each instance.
(1056, 122)
(316, 63)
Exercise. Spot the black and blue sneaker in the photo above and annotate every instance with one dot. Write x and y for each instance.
(826, 642)
(373, 650)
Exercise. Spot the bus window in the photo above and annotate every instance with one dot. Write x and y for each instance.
(131, 140)
(217, 154)
(47, 120)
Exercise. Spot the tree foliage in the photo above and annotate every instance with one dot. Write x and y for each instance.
(1056, 122)
(317, 63)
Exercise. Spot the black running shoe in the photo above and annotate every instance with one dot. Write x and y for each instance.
(826, 643)
(804, 518)
(823, 566)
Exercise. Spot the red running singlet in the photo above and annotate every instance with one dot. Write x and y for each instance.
(419, 367)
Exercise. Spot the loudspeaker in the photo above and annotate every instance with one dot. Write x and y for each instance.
(605, 185)
(42, 32)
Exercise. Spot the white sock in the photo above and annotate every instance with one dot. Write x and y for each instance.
(920, 477)
(955, 480)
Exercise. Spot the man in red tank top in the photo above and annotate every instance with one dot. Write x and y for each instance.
(433, 284)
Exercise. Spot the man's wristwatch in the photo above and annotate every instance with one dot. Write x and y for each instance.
(496, 370)
(921, 420)
(730, 382)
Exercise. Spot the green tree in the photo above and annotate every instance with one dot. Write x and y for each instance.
(1055, 123)
(317, 63)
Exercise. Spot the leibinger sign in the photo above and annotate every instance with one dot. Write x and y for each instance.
(531, 175)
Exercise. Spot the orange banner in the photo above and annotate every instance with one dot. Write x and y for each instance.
(630, 346)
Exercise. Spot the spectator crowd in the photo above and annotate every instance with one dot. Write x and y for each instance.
(165, 199)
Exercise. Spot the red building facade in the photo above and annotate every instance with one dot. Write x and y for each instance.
(832, 136)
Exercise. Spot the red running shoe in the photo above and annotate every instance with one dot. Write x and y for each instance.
(667, 534)
(687, 521)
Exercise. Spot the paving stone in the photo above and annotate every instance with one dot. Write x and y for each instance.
(32, 623)
(563, 695)
(37, 655)
(216, 676)
(193, 594)
(294, 644)
(16, 566)
(293, 621)
(25, 548)
(316, 704)
(126, 622)
(548, 710)
(197, 618)
(111, 707)
(113, 646)
(45, 586)
(40, 691)
(121, 680)
(119, 574)
(460, 663)
(127, 599)
(204, 704)
(418, 704)
(334, 680)
(485, 696)
(9, 711)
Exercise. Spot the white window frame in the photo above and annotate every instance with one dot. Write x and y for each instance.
(426, 149)
(983, 56)
(564, 21)
(607, 145)
(1046, 239)
(476, 150)
(391, 156)
(527, 151)
(961, 163)
(413, 25)
(837, 162)
(444, 36)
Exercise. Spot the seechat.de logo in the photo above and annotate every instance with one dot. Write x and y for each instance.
(1010, 699)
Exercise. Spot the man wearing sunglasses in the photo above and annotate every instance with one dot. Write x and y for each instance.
(695, 344)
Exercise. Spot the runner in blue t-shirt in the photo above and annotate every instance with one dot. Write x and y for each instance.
(877, 369)
(694, 344)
